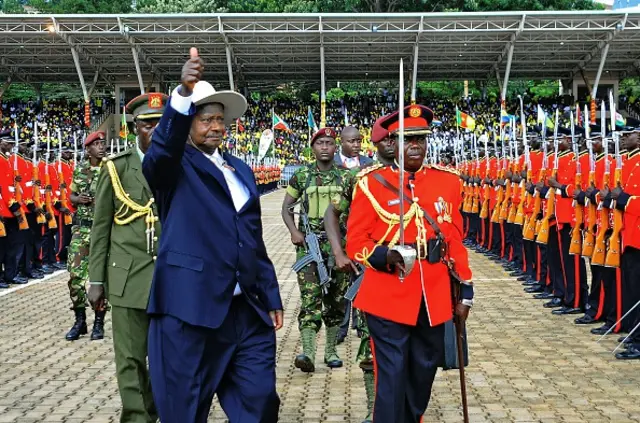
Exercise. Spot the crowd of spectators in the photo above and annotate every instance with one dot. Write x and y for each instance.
(361, 112)
(50, 115)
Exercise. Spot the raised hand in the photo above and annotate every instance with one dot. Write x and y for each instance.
(191, 72)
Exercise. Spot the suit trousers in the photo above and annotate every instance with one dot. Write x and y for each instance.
(236, 361)
(130, 329)
(49, 246)
(406, 359)
(530, 253)
(63, 239)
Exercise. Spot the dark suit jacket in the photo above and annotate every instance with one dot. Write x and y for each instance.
(365, 161)
(206, 246)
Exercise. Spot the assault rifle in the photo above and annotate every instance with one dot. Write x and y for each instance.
(314, 254)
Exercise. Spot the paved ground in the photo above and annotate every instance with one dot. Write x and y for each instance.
(526, 365)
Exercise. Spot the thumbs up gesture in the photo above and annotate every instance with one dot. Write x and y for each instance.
(191, 72)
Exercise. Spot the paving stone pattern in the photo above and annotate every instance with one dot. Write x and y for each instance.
(526, 364)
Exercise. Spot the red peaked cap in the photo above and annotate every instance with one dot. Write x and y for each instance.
(94, 136)
(417, 119)
(378, 132)
(324, 132)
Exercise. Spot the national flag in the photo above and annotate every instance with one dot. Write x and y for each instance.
(239, 126)
(578, 115)
(543, 119)
(465, 121)
(311, 121)
(279, 123)
(505, 118)
(124, 128)
(620, 120)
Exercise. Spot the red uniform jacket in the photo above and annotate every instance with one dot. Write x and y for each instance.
(535, 157)
(67, 172)
(629, 201)
(382, 293)
(55, 185)
(6, 181)
(567, 177)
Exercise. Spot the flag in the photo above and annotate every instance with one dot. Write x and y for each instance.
(465, 121)
(620, 120)
(578, 115)
(311, 121)
(346, 115)
(505, 118)
(124, 129)
(280, 124)
(239, 126)
(543, 119)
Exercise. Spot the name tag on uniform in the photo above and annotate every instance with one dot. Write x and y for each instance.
(393, 202)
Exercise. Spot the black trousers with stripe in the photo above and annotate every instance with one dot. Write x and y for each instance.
(406, 359)
(574, 269)
(630, 288)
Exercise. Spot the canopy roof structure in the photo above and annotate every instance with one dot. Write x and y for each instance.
(254, 50)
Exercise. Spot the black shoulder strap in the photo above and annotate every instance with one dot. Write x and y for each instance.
(388, 185)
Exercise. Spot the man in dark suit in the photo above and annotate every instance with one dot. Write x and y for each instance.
(215, 302)
(349, 156)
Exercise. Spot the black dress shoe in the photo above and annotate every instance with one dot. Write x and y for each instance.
(35, 275)
(567, 310)
(587, 319)
(19, 280)
(555, 303)
(517, 273)
(4, 285)
(534, 289)
(632, 353)
(621, 339)
(543, 296)
(60, 266)
(601, 330)
(524, 277)
(46, 270)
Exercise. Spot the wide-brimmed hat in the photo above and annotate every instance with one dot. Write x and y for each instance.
(234, 103)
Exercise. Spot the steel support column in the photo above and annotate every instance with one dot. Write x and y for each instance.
(6, 85)
(76, 60)
(507, 71)
(416, 50)
(603, 59)
(323, 94)
(136, 61)
(231, 59)
(498, 79)
(230, 68)
(94, 84)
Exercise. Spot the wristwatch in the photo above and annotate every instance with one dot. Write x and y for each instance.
(468, 303)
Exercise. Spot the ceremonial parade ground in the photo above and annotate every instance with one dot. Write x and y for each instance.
(526, 365)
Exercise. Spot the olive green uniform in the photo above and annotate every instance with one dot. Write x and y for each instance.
(124, 237)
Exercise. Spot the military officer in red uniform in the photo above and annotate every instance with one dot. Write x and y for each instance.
(406, 317)
(627, 199)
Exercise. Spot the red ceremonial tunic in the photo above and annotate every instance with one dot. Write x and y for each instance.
(382, 293)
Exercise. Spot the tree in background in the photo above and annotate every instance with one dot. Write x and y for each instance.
(81, 6)
(181, 6)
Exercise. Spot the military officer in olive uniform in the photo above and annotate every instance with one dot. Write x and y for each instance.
(123, 247)
(317, 185)
(83, 188)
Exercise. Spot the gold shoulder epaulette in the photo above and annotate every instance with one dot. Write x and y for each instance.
(445, 169)
(368, 170)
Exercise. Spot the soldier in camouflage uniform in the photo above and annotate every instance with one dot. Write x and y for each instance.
(83, 188)
(334, 218)
(316, 185)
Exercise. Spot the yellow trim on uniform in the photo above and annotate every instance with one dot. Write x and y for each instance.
(633, 197)
(293, 192)
(149, 116)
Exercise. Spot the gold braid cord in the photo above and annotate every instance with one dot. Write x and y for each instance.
(391, 219)
(130, 210)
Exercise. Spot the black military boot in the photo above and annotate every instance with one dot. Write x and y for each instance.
(79, 327)
(98, 326)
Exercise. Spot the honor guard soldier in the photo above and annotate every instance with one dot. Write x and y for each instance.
(83, 195)
(336, 212)
(8, 237)
(123, 255)
(66, 206)
(317, 185)
(406, 313)
(627, 200)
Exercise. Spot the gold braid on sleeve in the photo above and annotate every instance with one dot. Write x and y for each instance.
(130, 210)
